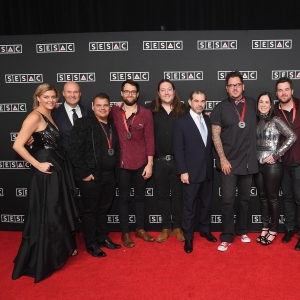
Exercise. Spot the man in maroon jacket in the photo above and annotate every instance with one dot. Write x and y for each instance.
(134, 125)
(288, 110)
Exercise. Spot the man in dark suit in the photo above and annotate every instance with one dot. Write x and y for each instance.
(194, 158)
(69, 111)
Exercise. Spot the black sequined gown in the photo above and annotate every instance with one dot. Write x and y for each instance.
(48, 238)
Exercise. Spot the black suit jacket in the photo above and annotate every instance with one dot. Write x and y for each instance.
(191, 155)
(64, 124)
(85, 147)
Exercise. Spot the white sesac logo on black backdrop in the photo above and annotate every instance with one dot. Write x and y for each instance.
(148, 192)
(13, 136)
(253, 191)
(271, 44)
(183, 75)
(216, 218)
(76, 77)
(210, 105)
(12, 218)
(155, 218)
(1, 192)
(115, 219)
(13, 107)
(55, 47)
(14, 164)
(293, 74)
(108, 46)
(247, 75)
(162, 45)
(23, 78)
(11, 49)
(217, 44)
(122, 76)
(21, 192)
(257, 219)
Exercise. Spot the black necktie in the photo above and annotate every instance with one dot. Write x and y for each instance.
(75, 116)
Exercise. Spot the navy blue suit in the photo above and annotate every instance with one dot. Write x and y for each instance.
(64, 124)
(196, 159)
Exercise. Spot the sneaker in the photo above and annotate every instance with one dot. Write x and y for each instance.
(224, 246)
(244, 238)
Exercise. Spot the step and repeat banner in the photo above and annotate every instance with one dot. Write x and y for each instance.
(100, 62)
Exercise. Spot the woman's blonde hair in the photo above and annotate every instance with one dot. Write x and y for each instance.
(42, 88)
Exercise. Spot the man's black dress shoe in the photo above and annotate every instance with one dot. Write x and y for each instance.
(288, 236)
(208, 236)
(95, 251)
(108, 243)
(297, 247)
(188, 246)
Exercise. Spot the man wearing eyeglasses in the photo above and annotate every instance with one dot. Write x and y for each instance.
(234, 136)
(134, 125)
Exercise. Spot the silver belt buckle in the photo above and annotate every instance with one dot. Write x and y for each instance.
(168, 157)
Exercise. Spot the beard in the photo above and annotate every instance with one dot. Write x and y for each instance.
(286, 100)
(130, 103)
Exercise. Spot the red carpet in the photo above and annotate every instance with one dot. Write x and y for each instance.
(162, 271)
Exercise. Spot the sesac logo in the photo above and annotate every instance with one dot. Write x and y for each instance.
(23, 78)
(11, 49)
(1, 192)
(115, 219)
(108, 46)
(154, 218)
(247, 75)
(76, 77)
(55, 48)
(162, 45)
(257, 219)
(271, 44)
(21, 192)
(253, 191)
(13, 107)
(148, 192)
(216, 219)
(217, 44)
(14, 164)
(122, 76)
(210, 105)
(12, 218)
(183, 75)
(293, 74)
(13, 136)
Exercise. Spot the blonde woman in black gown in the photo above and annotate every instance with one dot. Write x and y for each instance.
(48, 238)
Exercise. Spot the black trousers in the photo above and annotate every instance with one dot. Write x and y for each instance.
(135, 179)
(97, 196)
(291, 196)
(228, 186)
(166, 179)
(191, 193)
(268, 182)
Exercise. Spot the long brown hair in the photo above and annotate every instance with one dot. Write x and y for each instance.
(177, 106)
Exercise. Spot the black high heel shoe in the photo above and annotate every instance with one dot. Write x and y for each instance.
(261, 237)
(265, 241)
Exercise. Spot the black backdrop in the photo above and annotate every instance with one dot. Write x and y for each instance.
(193, 60)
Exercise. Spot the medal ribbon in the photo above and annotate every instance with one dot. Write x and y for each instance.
(125, 123)
(294, 113)
(241, 117)
(109, 141)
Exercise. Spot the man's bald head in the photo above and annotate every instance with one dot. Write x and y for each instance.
(71, 93)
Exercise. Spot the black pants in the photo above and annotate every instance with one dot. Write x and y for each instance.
(291, 195)
(97, 196)
(135, 179)
(268, 182)
(166, 178)
(228, 186)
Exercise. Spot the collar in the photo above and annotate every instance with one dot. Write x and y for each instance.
(135, 112)
(194, 115)
(69, 108)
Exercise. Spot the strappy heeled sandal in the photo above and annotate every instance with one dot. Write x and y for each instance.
(261, 237)
(265, 241)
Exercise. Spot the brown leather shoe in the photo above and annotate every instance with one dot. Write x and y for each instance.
(127, 241)
(179, 234)
(166, 232)
(142, 234)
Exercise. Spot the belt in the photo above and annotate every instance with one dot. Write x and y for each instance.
(165, 157)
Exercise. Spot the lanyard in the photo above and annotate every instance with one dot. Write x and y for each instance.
(125, 123)
(109, 140)
(294, 113)
(241, 117)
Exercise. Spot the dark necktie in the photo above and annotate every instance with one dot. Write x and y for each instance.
(75, 116)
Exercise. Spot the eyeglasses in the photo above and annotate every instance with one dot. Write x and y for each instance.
(234, 85)
(126, 92)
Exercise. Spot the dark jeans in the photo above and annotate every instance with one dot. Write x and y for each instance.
(291, 195)
(268, 182)
(228, 186)
(166, 178)
(97, 196)
(135, 179)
